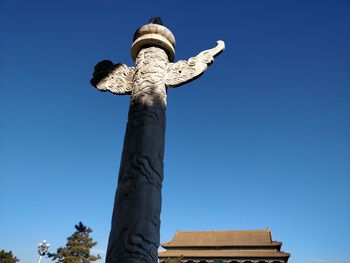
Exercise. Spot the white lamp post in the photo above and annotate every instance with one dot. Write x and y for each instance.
(43, 247)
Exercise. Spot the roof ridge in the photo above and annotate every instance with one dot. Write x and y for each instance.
(216, 231)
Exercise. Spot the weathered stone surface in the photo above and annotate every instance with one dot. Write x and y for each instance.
(134, 235)
(136, 216)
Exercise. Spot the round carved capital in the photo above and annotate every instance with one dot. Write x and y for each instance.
(154, 35)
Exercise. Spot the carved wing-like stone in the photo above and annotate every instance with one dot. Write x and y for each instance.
(184, 71)
(116, 78)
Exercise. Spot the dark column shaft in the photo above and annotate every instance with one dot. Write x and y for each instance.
(134, 235)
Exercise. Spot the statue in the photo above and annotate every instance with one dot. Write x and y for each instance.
(134, 235)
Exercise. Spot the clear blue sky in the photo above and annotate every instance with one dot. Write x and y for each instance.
(262, 139)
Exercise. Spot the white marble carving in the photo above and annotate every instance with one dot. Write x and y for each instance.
(123, 79)
(118, 81)
(183, 71)
(148, 85)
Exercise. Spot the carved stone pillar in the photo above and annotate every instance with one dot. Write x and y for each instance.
(134, 235)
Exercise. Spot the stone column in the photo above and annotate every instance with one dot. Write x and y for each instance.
(134, 235)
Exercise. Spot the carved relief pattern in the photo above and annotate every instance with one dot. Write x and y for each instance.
(118, 81)
(134, 235)
(149, 76)
(183, 71)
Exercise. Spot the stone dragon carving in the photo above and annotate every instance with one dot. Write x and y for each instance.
(134, 235)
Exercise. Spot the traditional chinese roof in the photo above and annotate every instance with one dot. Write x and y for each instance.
(222, 253)
(246, 238)
(223, 244)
